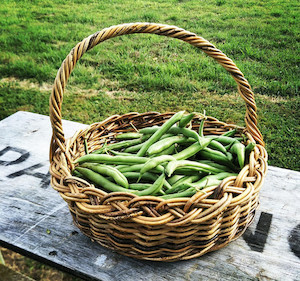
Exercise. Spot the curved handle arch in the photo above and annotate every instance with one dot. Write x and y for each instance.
(56, 98)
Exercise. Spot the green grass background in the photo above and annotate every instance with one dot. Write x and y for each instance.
(151, 73)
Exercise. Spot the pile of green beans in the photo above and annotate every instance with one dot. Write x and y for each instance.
(169, 161)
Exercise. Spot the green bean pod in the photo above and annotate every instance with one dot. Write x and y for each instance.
(105, 158)
(168, 151)
(109, 171)
(164, 144)
(172, 180)
(217, 145)
(101, 181)
(149, 130)
(192, 165)
(224, 139)
(186, 132)
(191, 150)
(128, 136)
(249, 148)
(155, 188)
(186, 120)
(239, 149)
(134, 148)
(201, 128)
(182, 181)
(162, 130)
(76, 174)
(154, 162)
(230, 133)
(137, 147)
(211, 180)
(143, 186)
(215, 155)
(136, 168)
(135, 175)
(216, 165)
(117, 145)
(186, 193)
(119, 153)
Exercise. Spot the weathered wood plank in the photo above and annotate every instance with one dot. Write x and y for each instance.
(35, 221)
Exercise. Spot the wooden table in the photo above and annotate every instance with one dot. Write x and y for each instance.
(35, 221)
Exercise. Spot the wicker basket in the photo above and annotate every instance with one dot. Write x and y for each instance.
(149, 227)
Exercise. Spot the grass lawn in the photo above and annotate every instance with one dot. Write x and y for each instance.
(150, 73)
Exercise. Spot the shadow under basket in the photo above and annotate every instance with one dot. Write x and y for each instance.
(149, 227)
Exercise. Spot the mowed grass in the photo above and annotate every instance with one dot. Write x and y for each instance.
(150, 73)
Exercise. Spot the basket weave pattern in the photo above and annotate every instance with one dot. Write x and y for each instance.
(149, 227)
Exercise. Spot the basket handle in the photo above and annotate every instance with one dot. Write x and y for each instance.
(56, 98)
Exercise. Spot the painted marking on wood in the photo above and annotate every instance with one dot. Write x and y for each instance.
(294, 240)
(257, 241)
(22, 158)
(30, 172)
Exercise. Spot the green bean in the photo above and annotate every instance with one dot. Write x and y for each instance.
(155, 188)
(172, 180)
(215, 155)
(139, 186)
(173, 165)
(136, 175)
(191, 150)
(185, 171)
(163, 144)
(186, 132)
(76, 174)
(143, 186)
(105, 158)
(134, 148)
(186, 179)
(211, 180)
(175, 130)
(134, 168)
(118, 153)
(100, 180)
(157, 135)
(201, 128)
(249, 148)
(229, 156)
(154, 162)
(149, 130)
(145, 176)
(117, 145)
(86, 150)
(168, 151)
(186, 193)
(227, 147)
(216, 165)
(239, 149)
(109, 171)
(106, 184)
(224, 139)
(186, 120)
(128, 136)
(217, 145)
(230, 133)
